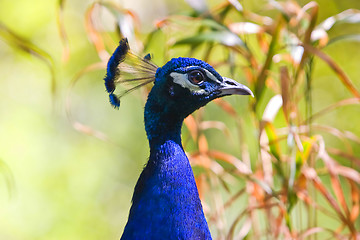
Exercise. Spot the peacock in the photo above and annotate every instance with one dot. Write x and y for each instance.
(166, 203)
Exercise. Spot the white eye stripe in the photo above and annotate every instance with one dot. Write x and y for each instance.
(182, 80)
(211, 76)
(208, 74)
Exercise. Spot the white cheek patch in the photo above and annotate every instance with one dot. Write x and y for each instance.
(211, 76)
(182, 80)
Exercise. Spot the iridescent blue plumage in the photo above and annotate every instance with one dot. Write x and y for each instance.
(122, 67)
(180, 64)
(166, 203)
(112, 71)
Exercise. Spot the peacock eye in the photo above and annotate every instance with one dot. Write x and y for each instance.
(196, 77)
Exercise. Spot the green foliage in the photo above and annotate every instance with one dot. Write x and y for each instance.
(283, 165)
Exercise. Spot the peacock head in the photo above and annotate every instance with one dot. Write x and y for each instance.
(180, 87)
(183, 85)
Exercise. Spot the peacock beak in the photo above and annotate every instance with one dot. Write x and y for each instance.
(231, 87)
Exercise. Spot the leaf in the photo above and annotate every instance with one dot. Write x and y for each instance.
(231, 232)
(311, 175)
(355, 198)
(296, 51)
(201, 185)
(18, 42)
(335, 67)
(304, 196)
(296, 178)
(237, 163)
(308, 232)
(226, 38)
(245, 229)
(203, 160)
(85, 129)
(198, 5)
(226, 107)
(303, 156)
(335, 170)
(347, 16)
(216, 125)
(348, 173)
(346, 37)
(6, 172)
(203, 144)
(343, 154)
(212, 24)
(344, 102)
(62, 31)
(275, 4)
(321, 36)
(94, 35)
(307, 40)
(231, 200)
(273, 140)
(335, 132)
(270, 112)
(285, 91)
(245, 28)
(237, 5)
(272, 108)
(192, 126)
(261, 78)
(336, 185)
(126, 20)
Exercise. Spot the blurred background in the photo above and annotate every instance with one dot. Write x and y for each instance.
(284, 165)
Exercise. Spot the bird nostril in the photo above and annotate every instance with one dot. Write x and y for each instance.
(230, 83)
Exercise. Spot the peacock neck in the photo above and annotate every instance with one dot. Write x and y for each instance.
(166, 203)
(161, 125)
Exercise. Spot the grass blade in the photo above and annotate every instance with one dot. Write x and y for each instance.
(62, 31)
(335, 67)
(355, 198)
(226, 38)
(18, 42)
(261, 78)
(94, 35)
(8, 177)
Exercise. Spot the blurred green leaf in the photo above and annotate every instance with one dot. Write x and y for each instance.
(274, 146)
(303, 156)
(224, 37)
(198, 5)
(18, 42)
(212, 24)
(346, 37)
(8, 177)
(261, 78)
(273, 140)
(335, 67)
(61, 26)
(347, 16)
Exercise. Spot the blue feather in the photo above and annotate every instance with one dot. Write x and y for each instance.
(166, 203)
(180, 64)
(163, 208)
(117, 57)
(125, 67)
(114, 100)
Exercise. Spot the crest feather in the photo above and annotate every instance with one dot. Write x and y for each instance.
(126, 67)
